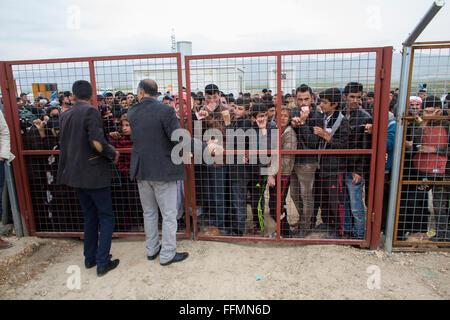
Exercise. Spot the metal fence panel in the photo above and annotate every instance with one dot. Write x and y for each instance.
(424, 194)
(52, 209)
(233, 202)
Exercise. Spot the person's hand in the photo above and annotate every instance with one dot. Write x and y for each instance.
(210, 107)
(203, 113)
(322, 133)
(408, 144)
(39, 124)
(303, 116)
(115, 135)
(46, 118)
(215, 149)
(356, 178)
(427, 149)
(271, 181)
(262, 123)
(295, 122)
(368, 128)
(116, 159)
(226, 117)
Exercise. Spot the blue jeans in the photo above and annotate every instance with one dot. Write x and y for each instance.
(97, 210)
(354, 207)
(2, 182)
(214, 197)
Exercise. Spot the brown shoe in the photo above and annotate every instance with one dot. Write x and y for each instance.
(212, 231)
(5, 244)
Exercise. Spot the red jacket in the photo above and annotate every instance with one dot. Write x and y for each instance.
(435, 136)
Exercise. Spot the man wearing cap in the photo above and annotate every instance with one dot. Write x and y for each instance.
(215, 115)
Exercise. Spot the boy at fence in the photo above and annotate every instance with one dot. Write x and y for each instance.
(358, 165)
(333, 135)
(238, 171)
(214, 115)
(258, 181)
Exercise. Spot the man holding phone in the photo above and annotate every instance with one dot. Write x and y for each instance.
(305, 118)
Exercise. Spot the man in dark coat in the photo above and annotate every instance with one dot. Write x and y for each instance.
(157, 173)
(84, 163)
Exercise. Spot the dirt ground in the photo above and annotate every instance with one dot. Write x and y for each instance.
(36, 268)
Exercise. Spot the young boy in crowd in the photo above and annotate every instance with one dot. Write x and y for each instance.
(258, 182)
(358, 165)
(238, 171)
(334, 135)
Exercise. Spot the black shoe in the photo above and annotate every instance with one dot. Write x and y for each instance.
(112, 264)
(331, 235)
(225, 232)
(321, 228)
(153, 257)
(92, 264)
(179, 256)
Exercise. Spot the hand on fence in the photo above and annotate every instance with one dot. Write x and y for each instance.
(226, 117)
(427, 149)
(116, 159)
(322, 133)
(368, 128)
(115, 135)
(356, 178)
(271, 181)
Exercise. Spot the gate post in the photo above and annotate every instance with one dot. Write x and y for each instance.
(8, 94)
(386, 66)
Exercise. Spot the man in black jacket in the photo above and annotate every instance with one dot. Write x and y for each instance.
(358, 166)
(305, 118)
(333, 135)
(84, 163)
(157, 172)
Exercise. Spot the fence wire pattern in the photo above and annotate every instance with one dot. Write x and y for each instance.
(47, 89)
(424, 193)
(299, 129)
(313, 116)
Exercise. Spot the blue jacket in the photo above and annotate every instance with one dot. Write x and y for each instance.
(390, 141)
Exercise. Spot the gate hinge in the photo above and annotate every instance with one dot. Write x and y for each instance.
(373, 217)
(382, 74)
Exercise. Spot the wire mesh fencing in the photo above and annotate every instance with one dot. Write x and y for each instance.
(299, 145)
(424, 196)
(44, 92)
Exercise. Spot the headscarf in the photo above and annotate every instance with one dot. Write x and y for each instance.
(415, 99)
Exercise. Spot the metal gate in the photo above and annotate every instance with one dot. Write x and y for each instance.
(52, 210)
(221, 197)
(422, 211)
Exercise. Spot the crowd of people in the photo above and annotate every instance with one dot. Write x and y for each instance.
(329, 190)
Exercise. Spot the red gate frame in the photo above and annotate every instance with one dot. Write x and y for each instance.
(382, 87)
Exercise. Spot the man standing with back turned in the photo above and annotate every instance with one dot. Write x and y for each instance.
(152, 124)
(84, 163)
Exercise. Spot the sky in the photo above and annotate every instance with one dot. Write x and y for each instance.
(32, 29)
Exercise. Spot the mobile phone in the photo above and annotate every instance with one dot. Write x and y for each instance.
(305, 109)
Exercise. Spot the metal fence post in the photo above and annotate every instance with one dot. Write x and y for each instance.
(399, 128)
